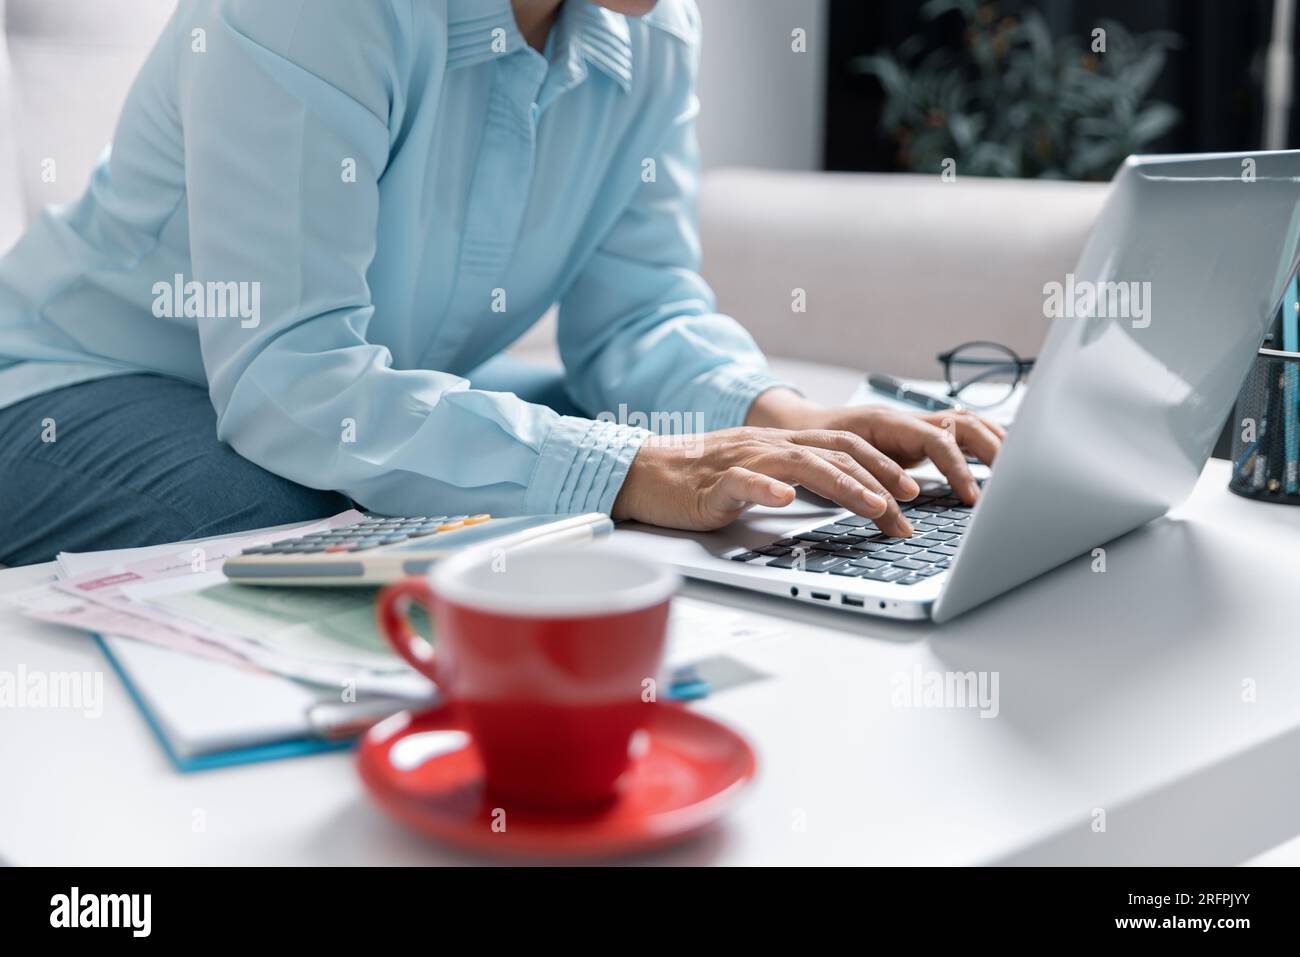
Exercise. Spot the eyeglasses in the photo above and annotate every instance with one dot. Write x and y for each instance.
(983, 374)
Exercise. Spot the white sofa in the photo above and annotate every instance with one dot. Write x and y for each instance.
(893, 268)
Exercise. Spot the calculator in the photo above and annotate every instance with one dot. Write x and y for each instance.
(379, 549)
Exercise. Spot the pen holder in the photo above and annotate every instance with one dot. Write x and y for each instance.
(1266, 430)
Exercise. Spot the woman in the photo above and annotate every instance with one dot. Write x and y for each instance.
(322, 221)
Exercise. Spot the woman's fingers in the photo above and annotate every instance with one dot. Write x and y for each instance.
(943, 449)
(978, 438)
(891, 521)
(892, 476)
(799, 465)
(739, 488)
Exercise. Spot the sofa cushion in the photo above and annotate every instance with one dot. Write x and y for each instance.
(892, 268)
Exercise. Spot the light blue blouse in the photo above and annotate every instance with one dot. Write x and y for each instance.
(328, 211)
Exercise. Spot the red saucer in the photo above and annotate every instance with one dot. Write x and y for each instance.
(689, 771)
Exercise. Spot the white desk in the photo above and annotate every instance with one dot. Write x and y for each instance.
(1120, 691)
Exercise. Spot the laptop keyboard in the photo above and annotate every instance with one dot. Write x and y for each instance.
(852, 546)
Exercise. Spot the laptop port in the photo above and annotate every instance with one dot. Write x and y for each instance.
(851, 601)
(820, 595)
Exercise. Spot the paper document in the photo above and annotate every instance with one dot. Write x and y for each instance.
(248, 627)
(335, 625)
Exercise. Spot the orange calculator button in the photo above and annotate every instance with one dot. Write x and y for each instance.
(449, 526)
(478, 519)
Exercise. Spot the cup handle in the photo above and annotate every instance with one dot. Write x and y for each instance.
(391, 611)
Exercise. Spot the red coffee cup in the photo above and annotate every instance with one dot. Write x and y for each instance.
(547, 656)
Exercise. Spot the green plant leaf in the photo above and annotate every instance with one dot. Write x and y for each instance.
(1153, 122)
(1014, 101)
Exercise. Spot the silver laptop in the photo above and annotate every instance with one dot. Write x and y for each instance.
(1125, 407)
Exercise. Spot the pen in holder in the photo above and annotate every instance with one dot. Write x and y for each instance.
(1266, 430)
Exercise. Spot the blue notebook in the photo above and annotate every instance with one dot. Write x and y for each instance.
(207, 714)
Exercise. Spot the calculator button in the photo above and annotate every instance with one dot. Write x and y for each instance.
(478, 519)
(397, 537)
(450, 526)
(335, 548)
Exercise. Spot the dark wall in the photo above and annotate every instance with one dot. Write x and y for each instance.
(1215, 78)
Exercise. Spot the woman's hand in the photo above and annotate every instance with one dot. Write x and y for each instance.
(909, 438)
(855, 457)
(705, 481)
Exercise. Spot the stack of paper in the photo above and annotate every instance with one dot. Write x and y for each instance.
(175, 596)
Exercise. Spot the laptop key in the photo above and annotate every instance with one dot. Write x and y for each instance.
(909, 564)
(930, 557)
(884, 574)
(868, 563)
(796, 557)
(945, 549)
(746, 557)
(834, 529)
(906, 549)
(847, 570)
(910, 580)
(823, 563)
(813, 537)
(939, 536)
(856, 521)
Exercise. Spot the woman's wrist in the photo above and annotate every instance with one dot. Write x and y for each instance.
(781, 408)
